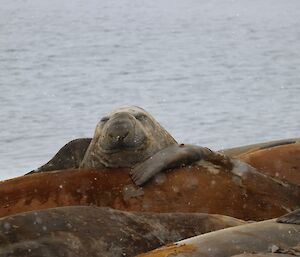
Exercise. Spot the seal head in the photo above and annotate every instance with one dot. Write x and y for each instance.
(125, 137)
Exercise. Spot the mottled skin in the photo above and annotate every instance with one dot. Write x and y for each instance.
(259, 237)
(222, 186)
(127, 137)
(282, 162)
(99, 232)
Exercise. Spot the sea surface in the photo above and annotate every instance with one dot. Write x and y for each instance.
(217, 73)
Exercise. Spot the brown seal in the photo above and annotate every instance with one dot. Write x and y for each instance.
(104, 232)
(236, 151)
(224, 186)
(281, 161)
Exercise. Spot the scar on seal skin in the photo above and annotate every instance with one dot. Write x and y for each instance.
(127, 137)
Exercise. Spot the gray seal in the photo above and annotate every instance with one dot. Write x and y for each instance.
(128, 137)
(88, 231)
(272, 235)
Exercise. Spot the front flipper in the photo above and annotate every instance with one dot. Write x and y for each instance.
(290, 218)
(69, 156)
(171, 157)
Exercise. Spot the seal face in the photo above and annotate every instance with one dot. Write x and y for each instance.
(125, 137)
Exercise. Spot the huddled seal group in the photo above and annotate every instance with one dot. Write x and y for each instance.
(130, 146)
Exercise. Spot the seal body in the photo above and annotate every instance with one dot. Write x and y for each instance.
(282, 162)
(221, 186)
(69, 156)
(236, 151)
(263, 236)
(87, 231)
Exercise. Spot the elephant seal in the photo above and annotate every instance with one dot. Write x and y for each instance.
(281, 162)
(236, 151)
(222, 186)
(122, 138)
(128, 137)
(264, 236)
(87, 231)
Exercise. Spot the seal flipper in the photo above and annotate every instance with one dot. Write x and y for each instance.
(69, 156)
(170, 157)
(290, 218)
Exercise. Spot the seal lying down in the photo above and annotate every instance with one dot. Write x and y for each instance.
(219, 186)
(99, 232)
(125, 138)
(279, 158)
(273, 235)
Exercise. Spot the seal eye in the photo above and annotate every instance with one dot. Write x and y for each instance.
(140, 116)
(104, 119)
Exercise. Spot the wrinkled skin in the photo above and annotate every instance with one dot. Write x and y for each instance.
(99, 232)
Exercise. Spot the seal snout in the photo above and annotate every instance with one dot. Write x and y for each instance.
(121, 132)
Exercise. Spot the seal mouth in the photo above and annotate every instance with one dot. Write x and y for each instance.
(135, 145)
(126, 141)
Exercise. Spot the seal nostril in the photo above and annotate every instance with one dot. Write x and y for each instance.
(122, 137)
(118, 136)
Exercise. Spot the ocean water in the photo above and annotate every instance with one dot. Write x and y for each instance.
(216, 73)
